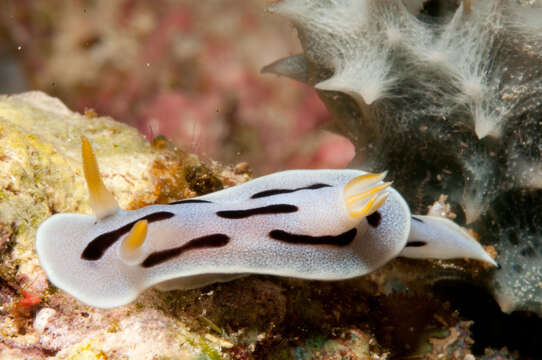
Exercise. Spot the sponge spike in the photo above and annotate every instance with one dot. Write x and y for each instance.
(365, 93)
(294, 67)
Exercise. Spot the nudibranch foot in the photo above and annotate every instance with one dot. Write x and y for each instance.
(433, 237)
(196, 281)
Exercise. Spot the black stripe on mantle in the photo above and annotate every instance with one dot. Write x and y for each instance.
(343, 239)
(272, 192)
(190, 201)
(204, 242)
(265, 210)
(97, 247)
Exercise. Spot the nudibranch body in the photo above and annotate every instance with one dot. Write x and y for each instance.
(312, 224)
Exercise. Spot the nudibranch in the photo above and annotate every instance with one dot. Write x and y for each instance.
(311, 224)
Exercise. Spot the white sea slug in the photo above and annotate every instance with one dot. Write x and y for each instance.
(311, 224)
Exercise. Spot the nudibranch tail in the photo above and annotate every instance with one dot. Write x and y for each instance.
(101, 201)
(363, 195)
(130, 250)
(433, 237)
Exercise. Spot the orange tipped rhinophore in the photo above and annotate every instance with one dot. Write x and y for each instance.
(101, 201)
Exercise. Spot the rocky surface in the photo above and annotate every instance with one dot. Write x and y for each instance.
(257, 317)
(42, 175)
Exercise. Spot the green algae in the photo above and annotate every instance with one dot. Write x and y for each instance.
(201, 180)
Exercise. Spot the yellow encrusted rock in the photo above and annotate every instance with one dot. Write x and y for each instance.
(41, 172)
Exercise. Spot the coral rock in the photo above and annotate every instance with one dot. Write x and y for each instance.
(41, 174)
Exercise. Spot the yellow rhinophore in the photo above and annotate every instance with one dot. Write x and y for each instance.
(101, 201)
(363, 194)
(136, 237)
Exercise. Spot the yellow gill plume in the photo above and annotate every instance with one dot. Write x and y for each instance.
(101, 201)
(365, 194)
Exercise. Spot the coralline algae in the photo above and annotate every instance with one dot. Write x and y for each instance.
(448, 98)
